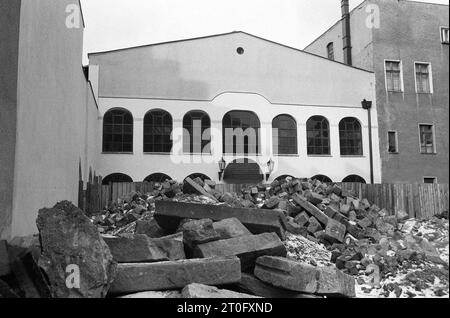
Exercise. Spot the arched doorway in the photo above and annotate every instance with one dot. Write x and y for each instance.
(243, 171)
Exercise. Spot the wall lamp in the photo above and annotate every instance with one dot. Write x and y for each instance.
(222, 165)
(270, 167)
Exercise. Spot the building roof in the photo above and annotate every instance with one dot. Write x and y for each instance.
(224, 34)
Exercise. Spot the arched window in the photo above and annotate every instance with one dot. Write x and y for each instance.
(354, 179)
(157, 177)
(118, 131)
(197, 133)
(284, 134)
(157, 132)
(241, 133)
(116, 178)
(322, 178)
(318, 135)
(350, 137)
(330, 51)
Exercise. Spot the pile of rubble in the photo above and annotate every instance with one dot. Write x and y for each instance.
(294, 238)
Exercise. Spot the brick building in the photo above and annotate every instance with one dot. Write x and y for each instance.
(406, 44)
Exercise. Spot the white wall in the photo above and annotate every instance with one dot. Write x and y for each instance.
(139, 165)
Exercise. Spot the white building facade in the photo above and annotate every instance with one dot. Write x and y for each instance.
(149, 98)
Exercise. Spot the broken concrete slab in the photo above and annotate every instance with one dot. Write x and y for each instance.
(169, 214)
(247, 248)
(173, 275)
(294, 228)
(199, 232)
(251, 285)
(300, 277)
(5, 268)
(311, 209)
(204, 291)
(155, 294)
(199, 189)
(230, 228)
(150, 228)
(6, 291)
(302, 219)
(134, 248)
(71, 241)
(335, 231)
(314, 225)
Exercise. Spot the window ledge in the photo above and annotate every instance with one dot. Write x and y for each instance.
(196, 154)
(429, 154)
(422, 93)
(390, 91)
(320, 156)
(117, 153)
(286, 155)
(158, 153)
(393, 153)
(351, 156)
(242, 154)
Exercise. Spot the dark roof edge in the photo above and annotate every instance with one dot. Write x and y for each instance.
(229, 33)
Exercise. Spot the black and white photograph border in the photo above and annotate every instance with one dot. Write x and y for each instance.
(247, 150)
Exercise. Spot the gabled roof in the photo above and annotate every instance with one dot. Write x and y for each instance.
(225, 34)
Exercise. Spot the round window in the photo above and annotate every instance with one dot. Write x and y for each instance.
(240, 50)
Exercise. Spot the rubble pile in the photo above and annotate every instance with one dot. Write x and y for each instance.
(294, 238)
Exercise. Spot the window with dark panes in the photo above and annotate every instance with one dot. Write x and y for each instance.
(118, 131)
(423, 78)
(445, 35)
(241, 133)
(429, 180)
(426, 139)
(350, 137)
(284, 134)
(318, 136)
(157, 132)
(330, 51)
(393, 76)
(392, 142)
(197, 133)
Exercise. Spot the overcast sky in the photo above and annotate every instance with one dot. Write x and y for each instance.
(112, 24)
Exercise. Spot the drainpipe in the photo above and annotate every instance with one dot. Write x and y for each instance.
(368, 105)
(346, 32)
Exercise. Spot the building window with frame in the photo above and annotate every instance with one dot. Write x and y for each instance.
(330, 51)
(430, 180)
(318, 136)
(117, 131)
(350, 137)
(284, 133)
(392, 142)
(157, 132)
(423, 78)
(196, 133)
(427, 139)
(394, 76)
(445, 35)
(241, 133)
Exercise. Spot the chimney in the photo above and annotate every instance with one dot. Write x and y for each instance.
(346, 33)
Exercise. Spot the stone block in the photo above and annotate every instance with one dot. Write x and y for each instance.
(173, 275)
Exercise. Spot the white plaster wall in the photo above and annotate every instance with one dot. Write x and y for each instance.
(139, 165)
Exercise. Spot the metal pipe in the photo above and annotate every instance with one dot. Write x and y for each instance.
(368, 105)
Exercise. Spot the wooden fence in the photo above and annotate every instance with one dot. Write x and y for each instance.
(418, 200)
